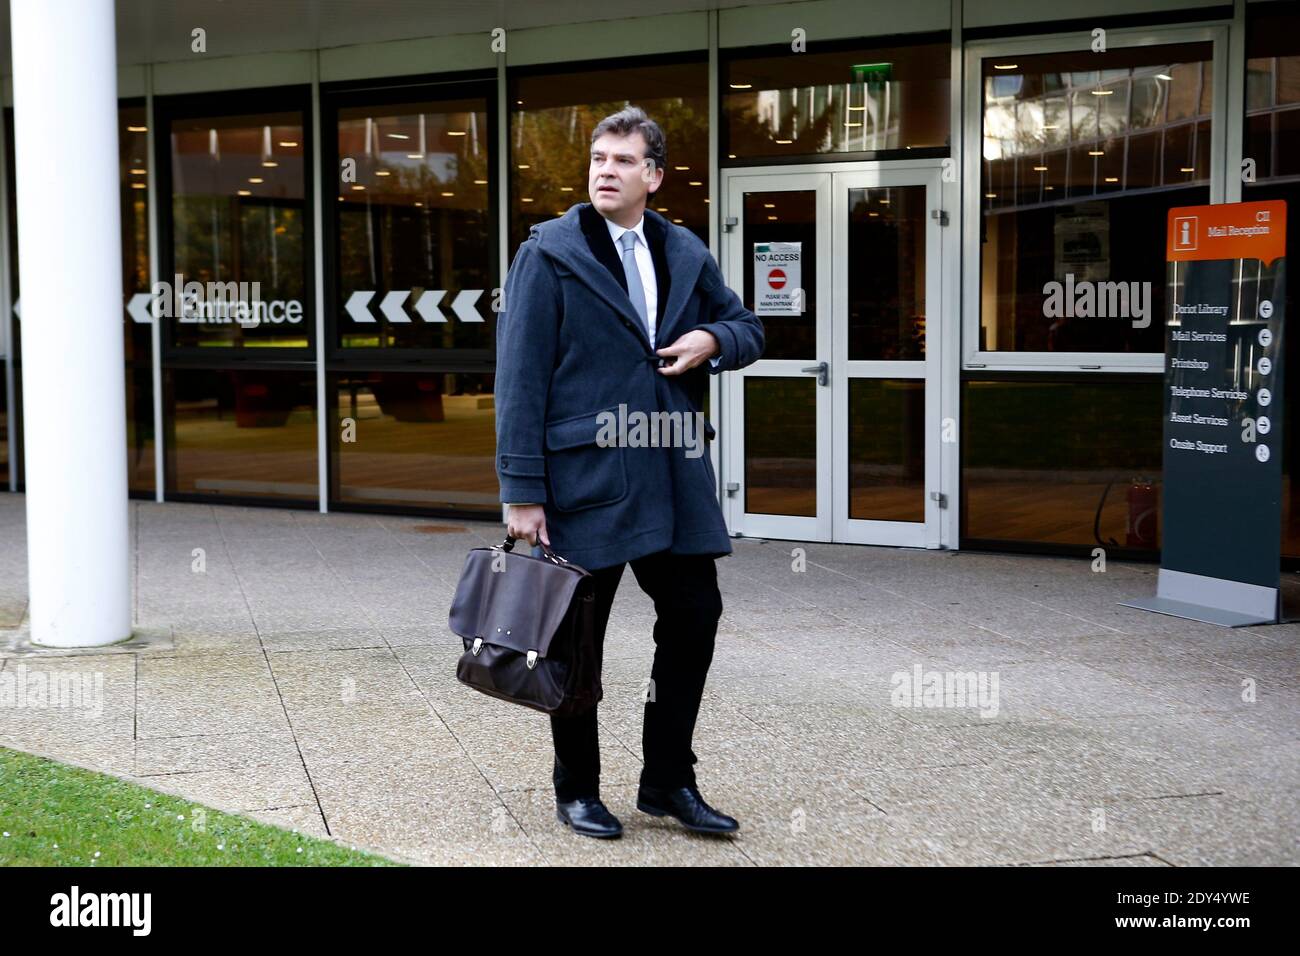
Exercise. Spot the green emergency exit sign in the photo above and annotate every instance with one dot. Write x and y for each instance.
(872, 72)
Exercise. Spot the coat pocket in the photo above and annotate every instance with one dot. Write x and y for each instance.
(580, 472)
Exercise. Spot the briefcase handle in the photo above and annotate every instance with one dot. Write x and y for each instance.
(509, 545)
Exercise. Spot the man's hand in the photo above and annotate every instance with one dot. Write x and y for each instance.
(526, 522)
(696, 346)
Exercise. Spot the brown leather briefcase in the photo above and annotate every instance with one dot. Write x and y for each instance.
(529, 629)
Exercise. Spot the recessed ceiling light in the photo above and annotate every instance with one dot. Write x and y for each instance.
(270, 163)
(245, 192)
(1101, 92)
(527, 199)
(681, 168)
(255, 180)
(139, 172)
(1096, 152)
(1187, 169)
(288, 143)
(383, 172)
(1040, 169)
(1112, 179)
(455, 132)
(566, 189)
(784, 142)
(524, 166)
(695, 182)
(139, 186)
(990, 195)
(448, 194)
(418, 203)
(137, 129)
(771, 218)
(1004, 66)
(742, 86)
(358, 188)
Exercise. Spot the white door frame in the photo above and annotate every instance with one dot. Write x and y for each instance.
(831, 182)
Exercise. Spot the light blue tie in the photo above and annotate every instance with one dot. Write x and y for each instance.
(635, 291)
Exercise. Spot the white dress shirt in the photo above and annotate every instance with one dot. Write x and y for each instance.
(646, 266)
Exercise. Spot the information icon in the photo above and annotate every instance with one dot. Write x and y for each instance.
(1261, 452)
(1265, 365)
(1264, 396)
(1265, 337)
(1262, 424)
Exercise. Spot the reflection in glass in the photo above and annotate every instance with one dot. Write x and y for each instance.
(887, 449)
(886, 273)
(246, 433)
(1083, 154)
(835, 101)
(415, 440)
(415, 218)
(1045, 461)
(238, 217)
(784, 217)
(551, 118)
(133, 156)
(781, 445)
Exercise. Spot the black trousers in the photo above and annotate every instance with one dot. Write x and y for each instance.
(684, 588)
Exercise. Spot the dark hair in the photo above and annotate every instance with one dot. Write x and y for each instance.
(633, 119)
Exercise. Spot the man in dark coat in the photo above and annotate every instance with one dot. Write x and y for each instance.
(612, 315)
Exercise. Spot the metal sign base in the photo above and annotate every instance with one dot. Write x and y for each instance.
(1234, 604)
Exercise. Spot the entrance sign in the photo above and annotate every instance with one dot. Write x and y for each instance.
(1221, 555)
(778, 282)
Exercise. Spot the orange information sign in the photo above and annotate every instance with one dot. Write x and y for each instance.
(1242, 230)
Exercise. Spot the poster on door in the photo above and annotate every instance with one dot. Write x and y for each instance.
(778, 284)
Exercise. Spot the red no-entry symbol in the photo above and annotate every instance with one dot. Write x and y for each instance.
(776, 279)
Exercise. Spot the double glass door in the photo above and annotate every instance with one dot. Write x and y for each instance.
(833, 435)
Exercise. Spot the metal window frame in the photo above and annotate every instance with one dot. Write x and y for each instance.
(1224, 113)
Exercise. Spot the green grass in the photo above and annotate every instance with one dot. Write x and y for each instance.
(52, 814)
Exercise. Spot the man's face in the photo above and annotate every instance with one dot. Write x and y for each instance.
(621, 177)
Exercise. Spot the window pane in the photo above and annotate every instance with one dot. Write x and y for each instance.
(414, 226)
(417, 440)
(246, 433)
(552, 116)
(789, 216)
(238, 217)
(886, 273)
(781, 445)
(1043, 461)
(1080, 194)
(840, 100)
(887, 449)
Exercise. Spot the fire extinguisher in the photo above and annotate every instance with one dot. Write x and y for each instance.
(1140, 524)
(1143, 514)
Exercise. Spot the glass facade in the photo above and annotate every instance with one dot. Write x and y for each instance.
(1080, 154)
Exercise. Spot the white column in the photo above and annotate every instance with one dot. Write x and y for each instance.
(70, 266)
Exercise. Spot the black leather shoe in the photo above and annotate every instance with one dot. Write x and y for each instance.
(588, 816)
(687, 806)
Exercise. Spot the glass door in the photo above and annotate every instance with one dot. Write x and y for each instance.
(833, 435)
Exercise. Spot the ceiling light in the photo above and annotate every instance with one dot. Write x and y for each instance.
(1004, 66)
(139, 172)
(139, 186)
(137, 129)
(681, 168)
(695, 182)
(255, 180)
(455, 132)
(742, 86)
(1187, 169)
(1040, 169)
(990, 195)
(288, 143)
(1096, 152)
(382, 172)
(245, 192)
(270, 163)
(448, 194)
(1101, 92)
(1112, 179)
(784, 142)
(397, 135)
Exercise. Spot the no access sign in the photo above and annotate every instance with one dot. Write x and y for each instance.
(778, 282)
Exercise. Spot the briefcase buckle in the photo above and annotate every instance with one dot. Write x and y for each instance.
(478, 646)
(532, 659)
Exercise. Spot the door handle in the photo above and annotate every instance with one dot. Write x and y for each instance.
(822, 370)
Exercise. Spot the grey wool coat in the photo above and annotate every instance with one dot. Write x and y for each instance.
(570, 346)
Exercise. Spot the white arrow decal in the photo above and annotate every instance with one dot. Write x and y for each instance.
(138, 307)
(392, 307)
(463, 305)
(426, 306)
(356, 306)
